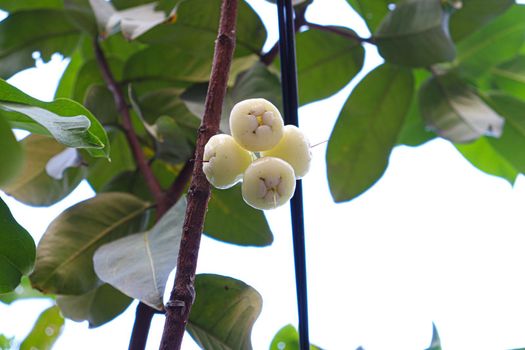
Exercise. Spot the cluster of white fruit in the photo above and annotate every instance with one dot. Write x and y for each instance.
(262, 153)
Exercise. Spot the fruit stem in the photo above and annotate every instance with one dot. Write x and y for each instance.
(183, 293)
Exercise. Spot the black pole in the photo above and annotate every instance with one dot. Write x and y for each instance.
(291, 105)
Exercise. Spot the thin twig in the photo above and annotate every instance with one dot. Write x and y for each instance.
(176, 189)
(123, 110)
(268, 57)
(339, 31)
(183, 293)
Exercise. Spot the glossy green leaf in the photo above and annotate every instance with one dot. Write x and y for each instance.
(513, 136)
(474, 14)
(495, 43)
(35, 186)
(11, 156)
(288, 339)
(366, 131)
(197, 21)
(510, 76)
(435, 344)
(97, 306)
(323, 54)
(25, 32)
(100, 171)
(64, 263)
(372, 12)
(22, 291)
(139, 264)
(67, 121)
(17, 251)
(415, 34)
(224, 312)
(46, 330)
(454, 111)
(243, 225)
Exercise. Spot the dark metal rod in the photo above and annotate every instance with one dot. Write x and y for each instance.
(291, 105)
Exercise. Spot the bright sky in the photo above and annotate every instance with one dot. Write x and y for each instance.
(434, 241)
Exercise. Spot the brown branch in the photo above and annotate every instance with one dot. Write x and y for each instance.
(144, 313)
(123, 109)
(177, 187)
(300, 21)
(183, 293)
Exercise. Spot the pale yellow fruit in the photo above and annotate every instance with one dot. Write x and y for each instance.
(256, 124)
(268, 183)
(225, 161)
(294, 148)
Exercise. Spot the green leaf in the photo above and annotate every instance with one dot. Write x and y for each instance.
(372, 12)
(513, 136)
(139, 265)
(97, 306)
(435, 344)
(197, 21)
(67, 121)
(497, 42)
(224, 312)
(454, 111)
(168, 63)
(172, 144)
(13, 6)
(17, 251)
(474, 14)
(245, 226)
(35, 186)
(415, 34)
(26, 32)
(166, 102)
(100, 101)
(46, 330)
(67, 81)
(100, 172)
(11, 156)
(510, 76)
(288, 339)
(323, 54)
(414, 131)
(5, 342)
(64, 263)
(366, 131)
(90, 74)
(482, 154)
(22, 291)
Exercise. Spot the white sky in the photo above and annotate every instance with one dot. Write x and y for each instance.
(434, 240)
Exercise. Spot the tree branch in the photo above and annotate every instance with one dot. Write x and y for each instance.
(300, 21)
(122, 107)
(144, 313)
(339, 31)
(183, 293)
(177, 187)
